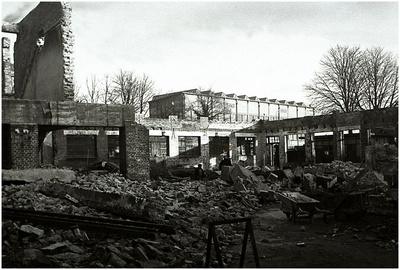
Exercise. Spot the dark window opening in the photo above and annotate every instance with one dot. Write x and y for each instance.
(81, 146)
(324, 149)
(246, 146)
(113, 146)
(218, 146)
(189, 147)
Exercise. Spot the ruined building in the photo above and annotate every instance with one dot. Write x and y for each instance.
(42, 124)
(44, 92)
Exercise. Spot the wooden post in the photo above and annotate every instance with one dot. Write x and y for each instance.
(212, 235)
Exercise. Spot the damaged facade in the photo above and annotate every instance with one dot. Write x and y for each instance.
(42, 128)
(42, 124)
(44, 92)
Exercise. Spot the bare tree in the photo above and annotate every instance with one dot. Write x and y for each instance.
(77, 95)
(380, 71)
(352, 80)
(209, 105)
(93, 89)
(133, 90)
(337, 86)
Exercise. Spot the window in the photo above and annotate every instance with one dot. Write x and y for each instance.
(273, 139)
(295, 140)
(159, 146)
(113, 146)
(81, 146)
(218, 145)
(189, 146)
(246, 146)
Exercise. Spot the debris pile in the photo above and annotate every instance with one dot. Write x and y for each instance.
(187, 205)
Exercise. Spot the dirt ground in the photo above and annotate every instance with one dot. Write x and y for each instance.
(368, 242)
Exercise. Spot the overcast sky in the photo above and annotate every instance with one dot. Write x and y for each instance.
(264, 49)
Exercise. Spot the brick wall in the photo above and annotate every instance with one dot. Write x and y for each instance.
(60, 150)
(136, 140)
(24, 146)
(7, 68)
(45, 71)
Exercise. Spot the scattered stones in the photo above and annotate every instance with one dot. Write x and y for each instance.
(31, 231)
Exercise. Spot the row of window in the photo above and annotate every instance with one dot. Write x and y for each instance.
(84, 146)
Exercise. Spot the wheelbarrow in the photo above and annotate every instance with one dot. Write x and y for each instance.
(296, 205)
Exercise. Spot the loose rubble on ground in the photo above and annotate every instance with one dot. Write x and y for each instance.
(173, 199)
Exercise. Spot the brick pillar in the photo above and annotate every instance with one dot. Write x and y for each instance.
(309, 148)
(24, 146)
(134, 150)
(338, 145)
(7, 70)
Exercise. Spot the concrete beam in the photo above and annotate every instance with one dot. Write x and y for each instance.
(10, 28)
(66, 113)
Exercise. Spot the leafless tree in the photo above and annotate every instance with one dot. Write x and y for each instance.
(352, 79)
(337, 87)
(77, 95)
(380, 79)
(209, 105)
(133, 90)
(93, 89)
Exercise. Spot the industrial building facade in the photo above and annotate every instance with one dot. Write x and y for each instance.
(235, 108)
(175, 142)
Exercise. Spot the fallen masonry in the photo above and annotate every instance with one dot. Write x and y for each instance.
(176, 202)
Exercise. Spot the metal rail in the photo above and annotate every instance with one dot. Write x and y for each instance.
(134, 228)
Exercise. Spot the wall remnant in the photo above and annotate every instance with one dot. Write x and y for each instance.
(43, 54)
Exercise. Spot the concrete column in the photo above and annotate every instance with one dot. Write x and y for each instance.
(309, 148)
(233, 148)
(134, 151)
(102, 145)
(205, 150)
(261, 149)
(282, 150)
(24, 146)
(364, 139)
(338, 145)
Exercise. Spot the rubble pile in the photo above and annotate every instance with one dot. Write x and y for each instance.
(25, 245)
(187, 205)
(345, 176)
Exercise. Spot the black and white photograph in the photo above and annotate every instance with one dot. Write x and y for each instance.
(200, 134)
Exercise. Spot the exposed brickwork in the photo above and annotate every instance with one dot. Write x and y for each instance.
(7, 69)
(24, 146)
(43, 54)
(68, 42)
(60, 150)
(137, 151)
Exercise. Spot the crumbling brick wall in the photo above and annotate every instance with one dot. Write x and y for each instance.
(134, 139)
(24, 146)
(43, 54)
(7, 69)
